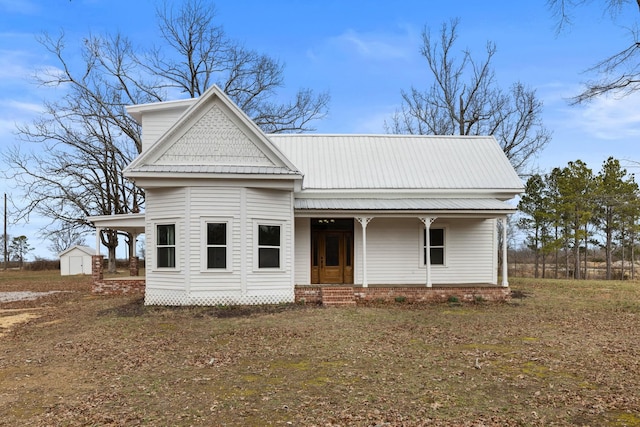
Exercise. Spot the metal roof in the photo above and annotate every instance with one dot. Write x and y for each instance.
(431, 204)
(380, 162)
(212, 169)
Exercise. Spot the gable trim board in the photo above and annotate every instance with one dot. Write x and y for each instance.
(281, 196)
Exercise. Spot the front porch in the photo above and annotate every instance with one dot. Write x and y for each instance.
(353, 295)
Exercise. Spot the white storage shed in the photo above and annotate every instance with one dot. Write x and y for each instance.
(76, 260)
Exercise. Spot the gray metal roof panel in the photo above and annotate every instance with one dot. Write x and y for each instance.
(398, 161)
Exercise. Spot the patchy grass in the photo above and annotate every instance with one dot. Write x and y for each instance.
(560, 353)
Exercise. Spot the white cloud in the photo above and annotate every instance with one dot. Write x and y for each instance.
(374, 46)
(14, 65)
(379, 46)
(609, 118)
(605, 118)
(25, 7)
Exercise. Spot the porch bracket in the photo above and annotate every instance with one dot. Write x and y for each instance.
(364, 221)
(427, 221)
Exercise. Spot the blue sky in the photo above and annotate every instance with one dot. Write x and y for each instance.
(364, 53)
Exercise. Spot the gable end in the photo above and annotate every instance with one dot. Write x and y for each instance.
(214, 140)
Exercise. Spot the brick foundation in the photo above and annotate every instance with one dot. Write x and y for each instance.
(308, 294)
(119, 287)
(102, 286)
(97, 268)
(134, 268)
(411, 294)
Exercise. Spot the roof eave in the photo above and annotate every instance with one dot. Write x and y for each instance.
(391, 193)
(203, 175)
(349, 213)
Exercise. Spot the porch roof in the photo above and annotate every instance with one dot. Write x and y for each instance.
(131, 223)
(405, 204)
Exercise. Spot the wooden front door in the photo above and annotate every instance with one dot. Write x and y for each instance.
(332, 253)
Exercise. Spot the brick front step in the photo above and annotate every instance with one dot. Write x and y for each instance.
(338, 296)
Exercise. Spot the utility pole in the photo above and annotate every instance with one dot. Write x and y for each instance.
(6, 255)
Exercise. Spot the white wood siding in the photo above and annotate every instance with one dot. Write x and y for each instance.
(302, 251)
(394, 252)
(211, 204)
(242, 209)
(166, 206)
(155, 124)
(270, 206)
(471, 254)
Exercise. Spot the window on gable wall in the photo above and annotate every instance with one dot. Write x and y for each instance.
(268, 246)
(436, 243)
(216, 245)
(166, 245)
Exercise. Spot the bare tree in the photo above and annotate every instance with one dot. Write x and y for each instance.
(201, 54)
(465, 99)
(69, 165)
(63, 239)
(619, 74)
(82, 141)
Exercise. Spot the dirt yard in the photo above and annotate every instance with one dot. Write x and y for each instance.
(560, 353)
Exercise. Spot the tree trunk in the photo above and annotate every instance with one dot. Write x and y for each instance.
(586, 251)
(609, 257)
(633, 260)
(109, 239)
(536, 253)
(566, 253)
(622, 263)
(556, 250)
(111, 268)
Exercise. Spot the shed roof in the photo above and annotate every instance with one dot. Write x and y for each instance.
(396, 162)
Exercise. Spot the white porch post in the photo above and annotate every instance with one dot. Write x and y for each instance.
(98, 230)
(134, 248)
(427, 226)
(364, 221)
(505, 265)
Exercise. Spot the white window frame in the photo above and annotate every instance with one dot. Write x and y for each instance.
(256, 245)
(423, 245)
(176, 231)
(204, 246)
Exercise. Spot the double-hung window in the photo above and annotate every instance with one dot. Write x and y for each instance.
(269, 245)
(216, 238)
(166, 245)
(436, 246)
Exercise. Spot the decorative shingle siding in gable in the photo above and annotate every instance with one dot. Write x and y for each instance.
(214, 140)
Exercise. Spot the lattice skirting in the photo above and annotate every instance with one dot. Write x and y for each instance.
(168, 297)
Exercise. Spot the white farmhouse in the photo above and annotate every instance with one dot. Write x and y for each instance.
(235, 216)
